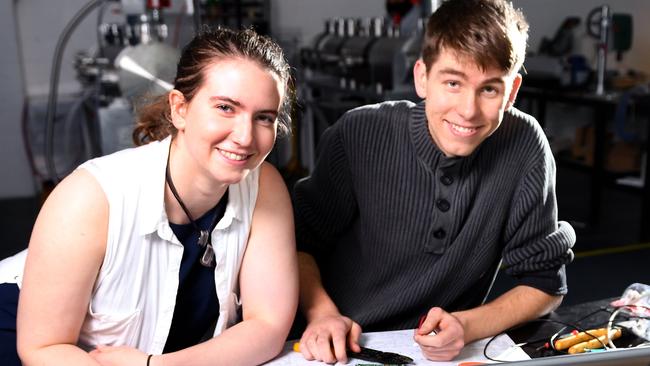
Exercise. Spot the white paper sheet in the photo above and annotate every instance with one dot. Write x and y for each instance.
(401, 341)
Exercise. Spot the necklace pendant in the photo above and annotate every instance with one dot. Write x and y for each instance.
(203, 238)
(207, 259)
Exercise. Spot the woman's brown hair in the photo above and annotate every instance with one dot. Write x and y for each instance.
(153, 122)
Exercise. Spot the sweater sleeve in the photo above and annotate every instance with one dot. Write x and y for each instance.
(538, 246)
(324, 202)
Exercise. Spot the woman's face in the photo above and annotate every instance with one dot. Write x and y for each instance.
(230, 125)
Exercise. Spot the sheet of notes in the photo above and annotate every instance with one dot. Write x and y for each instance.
(401, 341)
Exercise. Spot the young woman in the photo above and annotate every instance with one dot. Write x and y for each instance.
(180, 251)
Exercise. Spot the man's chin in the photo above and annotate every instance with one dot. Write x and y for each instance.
(459, 151)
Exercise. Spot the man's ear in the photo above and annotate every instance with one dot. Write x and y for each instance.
(516, 83)
(178, 108)
(420, 78)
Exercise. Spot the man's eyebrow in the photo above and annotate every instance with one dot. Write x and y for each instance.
(494, 80)
(455, 72)
(452, 71)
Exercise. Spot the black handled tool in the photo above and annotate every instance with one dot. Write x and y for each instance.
(372, 355)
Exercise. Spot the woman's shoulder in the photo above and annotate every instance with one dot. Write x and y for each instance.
(269, 177)
(131, 158)
(130, 177)
(264, 186)
(129, 165)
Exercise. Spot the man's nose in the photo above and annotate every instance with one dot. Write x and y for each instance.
(468, 105)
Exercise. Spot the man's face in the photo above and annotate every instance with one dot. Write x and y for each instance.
(464, 104)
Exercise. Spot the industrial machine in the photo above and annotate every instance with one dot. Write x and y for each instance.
(561, 63)
(132, 60)
(351, 63)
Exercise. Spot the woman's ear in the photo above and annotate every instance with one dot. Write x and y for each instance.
(178, 108)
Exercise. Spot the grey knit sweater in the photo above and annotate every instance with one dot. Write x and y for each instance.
(397, 227)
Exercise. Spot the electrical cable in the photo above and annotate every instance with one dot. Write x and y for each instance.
(197, 15)
(610, 327)
(54, 81)
(556, 334)
(75, 111)
(68, 126)
(618, 310)
(92, 146)
(96, 148)
(177, 25)
(27, 142)
(566, 324)
(100, 20)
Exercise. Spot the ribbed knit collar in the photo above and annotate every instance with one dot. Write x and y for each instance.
(426, 149)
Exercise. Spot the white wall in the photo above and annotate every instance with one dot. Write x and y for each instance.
(40, 24)
(16, 175)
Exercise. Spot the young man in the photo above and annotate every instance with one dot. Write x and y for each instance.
(412, 207)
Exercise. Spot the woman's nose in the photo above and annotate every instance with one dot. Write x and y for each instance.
(243, 131)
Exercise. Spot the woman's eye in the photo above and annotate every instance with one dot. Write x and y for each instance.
(225, 107)
(266, 119)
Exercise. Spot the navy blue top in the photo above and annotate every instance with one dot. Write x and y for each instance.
(197, 305)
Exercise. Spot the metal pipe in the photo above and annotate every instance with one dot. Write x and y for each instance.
(603, 44)
(434, 5)
(50, 114)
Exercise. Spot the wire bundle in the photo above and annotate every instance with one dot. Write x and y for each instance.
(603, 338)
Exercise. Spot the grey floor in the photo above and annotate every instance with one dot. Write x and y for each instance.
(609, 256)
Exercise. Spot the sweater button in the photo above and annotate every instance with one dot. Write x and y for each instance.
(439, 234)
(443, 205)
(446, 180)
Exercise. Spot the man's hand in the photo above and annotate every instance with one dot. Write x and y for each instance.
(326, 339)
(449, 340)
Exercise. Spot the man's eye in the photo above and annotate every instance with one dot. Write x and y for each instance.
(490, 90)
(224, 107)
(453, 84)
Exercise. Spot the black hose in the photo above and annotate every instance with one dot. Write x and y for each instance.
(54, 81)
(100, 38)
(197, 15)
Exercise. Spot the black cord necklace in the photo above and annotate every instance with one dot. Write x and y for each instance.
(207, 259)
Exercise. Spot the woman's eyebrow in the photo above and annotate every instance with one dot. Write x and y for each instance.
(225, 99)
